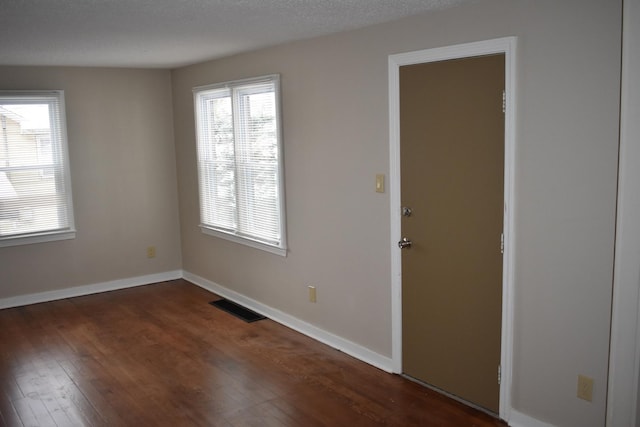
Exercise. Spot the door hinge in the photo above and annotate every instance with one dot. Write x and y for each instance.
(504, 101)
(499, 374)
(501, 243)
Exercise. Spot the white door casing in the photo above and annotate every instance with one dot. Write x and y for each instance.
(506, 45)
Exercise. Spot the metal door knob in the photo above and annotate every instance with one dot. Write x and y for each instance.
(405, 243)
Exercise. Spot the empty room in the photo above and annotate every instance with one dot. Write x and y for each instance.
(428, 207)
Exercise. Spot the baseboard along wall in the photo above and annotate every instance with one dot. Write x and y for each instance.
(516, 419)
(95, 288)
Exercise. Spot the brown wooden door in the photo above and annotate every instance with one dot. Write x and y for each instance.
(452, 172)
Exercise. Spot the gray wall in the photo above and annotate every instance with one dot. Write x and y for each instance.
(122, 157)
(335, 115)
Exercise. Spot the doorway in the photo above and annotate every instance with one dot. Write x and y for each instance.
(405, 324)
(452, 169)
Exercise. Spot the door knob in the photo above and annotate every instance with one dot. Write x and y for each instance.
(405, 243)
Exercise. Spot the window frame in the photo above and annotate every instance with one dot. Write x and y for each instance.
(55, 99)
(233, 235)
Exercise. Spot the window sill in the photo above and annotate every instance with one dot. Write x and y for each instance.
(244, 241)
(37, 238)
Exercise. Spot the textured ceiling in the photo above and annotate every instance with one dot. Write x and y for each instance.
(172, 33)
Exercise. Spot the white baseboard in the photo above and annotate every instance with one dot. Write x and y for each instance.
(518, 419)
(339, 343)
(95, 288)
(346, 346)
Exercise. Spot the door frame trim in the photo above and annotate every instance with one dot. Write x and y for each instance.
(506, 46)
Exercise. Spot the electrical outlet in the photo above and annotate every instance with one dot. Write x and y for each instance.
(585, 388)
(380, 183)
(312, 293)
(151, 252)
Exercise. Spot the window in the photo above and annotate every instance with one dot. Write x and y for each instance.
(240, 162)
(35, 190)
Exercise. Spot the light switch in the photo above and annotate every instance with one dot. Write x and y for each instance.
(380, 183)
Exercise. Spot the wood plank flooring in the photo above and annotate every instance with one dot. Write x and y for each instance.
(160, 355)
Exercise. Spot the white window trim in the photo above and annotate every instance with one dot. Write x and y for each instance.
(280, 250)
(37, 238)
(70, 231)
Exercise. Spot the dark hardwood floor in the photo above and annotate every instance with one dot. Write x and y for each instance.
(160, 355)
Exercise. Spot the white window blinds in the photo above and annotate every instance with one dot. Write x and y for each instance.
(239, 162)
(35, 192)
